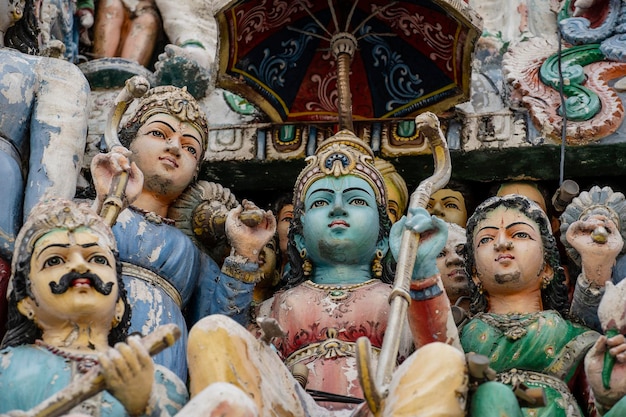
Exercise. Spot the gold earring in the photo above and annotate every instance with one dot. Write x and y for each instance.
(377, 266)
(480, 287)
(307, 266)
(545, 281)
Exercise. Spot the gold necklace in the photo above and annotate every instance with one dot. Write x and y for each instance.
(338, 291)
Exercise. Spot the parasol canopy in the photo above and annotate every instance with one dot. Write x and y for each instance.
(410, 56)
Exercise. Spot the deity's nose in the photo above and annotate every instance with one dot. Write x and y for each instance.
(338, 208)
(502, 243)
(437, 210)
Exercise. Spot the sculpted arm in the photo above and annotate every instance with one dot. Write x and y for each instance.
(430, 317)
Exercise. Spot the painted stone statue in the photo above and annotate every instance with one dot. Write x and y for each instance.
(69, 314)
(397, 191)
(520, 322)
(451, 203)
(337, 291)
(43, 127)
(163, 269)
(594, 223)
(451, 265)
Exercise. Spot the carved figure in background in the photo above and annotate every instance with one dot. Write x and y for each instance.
(68, 306)
(451, 265)
(337, 291)
(451, 204)
(397, 191)
(283, 209)
(520, 305)
(593, 229)
(163, 269)
(126, 28)
(43, 128)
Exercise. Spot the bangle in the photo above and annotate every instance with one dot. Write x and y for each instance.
(239, 268)
(192, 42)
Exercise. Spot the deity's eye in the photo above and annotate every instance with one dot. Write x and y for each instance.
(452, 206)
(358, 202)
(485, 240)
(521, 235)
(319, 203)
(156, 133)
(191, 150)
(99, 259)
(442, 254)
(53, 261)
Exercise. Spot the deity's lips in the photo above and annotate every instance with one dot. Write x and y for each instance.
(82, 282)
(457, 275)
(169, 161)
(339, 223)
(505, 257)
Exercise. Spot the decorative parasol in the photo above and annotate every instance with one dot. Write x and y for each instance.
(402, 57)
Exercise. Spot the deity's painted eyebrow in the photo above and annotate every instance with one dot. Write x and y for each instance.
(365, 190)
(187, 135)
(53, 245)
(519, 223)
(507, 227)
(66, 245)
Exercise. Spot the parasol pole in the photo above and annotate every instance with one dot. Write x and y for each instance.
(343, 45)
(134, 87)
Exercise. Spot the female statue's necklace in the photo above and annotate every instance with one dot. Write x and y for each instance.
(337, 291)
(84, 362)
(514, 326)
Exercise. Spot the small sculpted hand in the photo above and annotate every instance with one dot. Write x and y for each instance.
(433, 236)
(594, 363)
(129, 374)
(105, 166)
(598, 241)
(246, 240)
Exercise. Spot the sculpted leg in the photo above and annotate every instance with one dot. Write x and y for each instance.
(494, 399)
(220, 350)
(432, 382)
(110, 17)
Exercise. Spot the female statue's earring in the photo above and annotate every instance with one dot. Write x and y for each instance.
(377, 266)
(307, 266)
(545, 281)
(480, 287)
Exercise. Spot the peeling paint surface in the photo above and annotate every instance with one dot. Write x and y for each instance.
(169, 255)
(45, 374)
(43, 116)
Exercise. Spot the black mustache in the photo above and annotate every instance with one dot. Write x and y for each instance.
(66, 281)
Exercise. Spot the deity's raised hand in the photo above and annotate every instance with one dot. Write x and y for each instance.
(248, 238)
(598, 241)
(105, 166)
(433, 235)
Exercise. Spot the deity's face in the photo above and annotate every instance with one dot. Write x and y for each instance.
(167, 151)
(451, 263)
(448, 205)
(340, 221)
(393, 206)
(10, 12)
(509, 253)
(283, 221)
(527, 190)
(267, 263)
(73, 278)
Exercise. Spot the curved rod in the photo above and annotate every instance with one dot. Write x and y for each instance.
(428, 124)
(133, 88)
